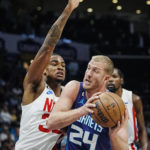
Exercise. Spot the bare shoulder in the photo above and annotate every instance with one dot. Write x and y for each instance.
(68, 96)
(71, 86)
(70, 90)
(32, 91)
(137, 102)
(136, 97)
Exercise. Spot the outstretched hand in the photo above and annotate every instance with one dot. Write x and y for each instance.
(72, 4)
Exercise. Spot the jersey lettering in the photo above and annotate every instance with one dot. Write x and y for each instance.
(82, 136)
(88, 121)
(47, 106)
(41, 127)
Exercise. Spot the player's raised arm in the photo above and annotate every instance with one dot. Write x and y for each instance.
(42, 58)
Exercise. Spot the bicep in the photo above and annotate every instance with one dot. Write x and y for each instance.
(67, 97)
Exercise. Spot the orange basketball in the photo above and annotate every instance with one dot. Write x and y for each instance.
(109, 109)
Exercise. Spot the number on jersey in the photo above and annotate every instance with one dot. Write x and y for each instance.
(82, 136)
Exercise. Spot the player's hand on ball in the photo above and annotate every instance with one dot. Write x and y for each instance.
(125, 118)
(123, 123)
(97, 94)
(121, 128)
(87, 107)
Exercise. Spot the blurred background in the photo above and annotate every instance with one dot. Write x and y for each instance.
(119, 29)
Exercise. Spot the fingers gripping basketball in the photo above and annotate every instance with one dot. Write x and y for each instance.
(109, 109)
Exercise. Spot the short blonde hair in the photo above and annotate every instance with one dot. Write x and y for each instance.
(108, 63)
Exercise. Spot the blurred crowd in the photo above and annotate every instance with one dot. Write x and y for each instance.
(114, 33)
(10, 98)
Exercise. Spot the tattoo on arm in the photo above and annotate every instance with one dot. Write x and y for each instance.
(52, 36)
(56, 30)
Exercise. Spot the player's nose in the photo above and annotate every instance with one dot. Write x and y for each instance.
(111, 79)
(89, 73)
(59, 66)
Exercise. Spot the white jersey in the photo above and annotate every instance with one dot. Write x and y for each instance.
(34, 134)
(132, 123)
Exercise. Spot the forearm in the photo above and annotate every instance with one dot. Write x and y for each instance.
(119, 139)
(143, 140)
(58, 120)
(118, 144)
(57, 28)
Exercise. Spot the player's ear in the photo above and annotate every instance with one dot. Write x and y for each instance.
(122, 81)
(107, 77)
(45, 73)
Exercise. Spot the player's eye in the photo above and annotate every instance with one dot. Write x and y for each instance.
(88, 68)
(96, 71)
(114, 76)
(54, 63)
(63, 64)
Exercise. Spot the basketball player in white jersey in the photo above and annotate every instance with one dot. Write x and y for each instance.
(133, 102)
(38, 98)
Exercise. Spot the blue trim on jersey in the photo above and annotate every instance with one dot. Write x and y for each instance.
(85, 133)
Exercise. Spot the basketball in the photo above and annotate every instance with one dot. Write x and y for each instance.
(109, 109)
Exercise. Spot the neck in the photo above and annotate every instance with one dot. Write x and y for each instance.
(89, 93)
(119, 91)
(56, 87)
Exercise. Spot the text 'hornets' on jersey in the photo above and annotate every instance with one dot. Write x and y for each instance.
(85, 133)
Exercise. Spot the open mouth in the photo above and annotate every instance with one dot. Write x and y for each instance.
(110, 85)
(60, 74)
(87, 82)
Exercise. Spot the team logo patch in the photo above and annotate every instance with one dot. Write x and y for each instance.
(49, 92)
(81, 101)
